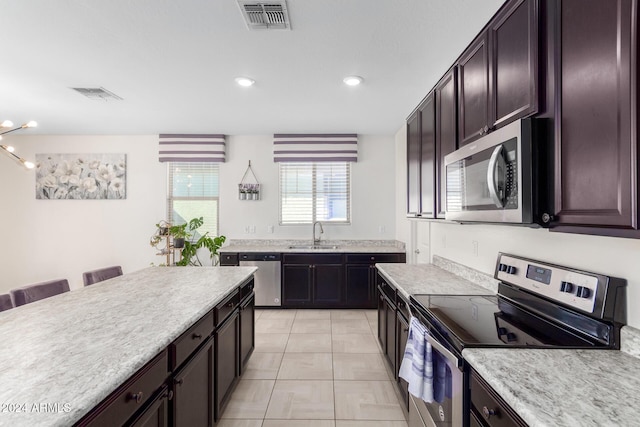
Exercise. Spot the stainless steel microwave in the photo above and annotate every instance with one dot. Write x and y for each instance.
(490, 179)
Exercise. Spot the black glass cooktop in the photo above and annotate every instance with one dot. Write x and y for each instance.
(493, 321)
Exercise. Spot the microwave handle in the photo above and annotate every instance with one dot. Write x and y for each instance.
(496, 162)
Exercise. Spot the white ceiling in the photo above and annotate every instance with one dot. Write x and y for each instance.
(174, 62)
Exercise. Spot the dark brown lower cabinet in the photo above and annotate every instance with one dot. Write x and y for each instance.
(157, 413)
(402, 334)
(360, 277)
(391, 337)
(227, 360)
(193, 389)
(487, 408)
(247, 329)
(131, 397)
(382, 322)
(387, 323)
(312, 280)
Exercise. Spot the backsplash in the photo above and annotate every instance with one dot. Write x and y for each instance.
(281, 242)
(630, 341)
(474, 276)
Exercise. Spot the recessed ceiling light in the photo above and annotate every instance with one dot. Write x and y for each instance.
(352, 80)
(245, 81)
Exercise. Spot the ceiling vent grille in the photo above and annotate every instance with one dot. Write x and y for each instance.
(97, 93)
(265, 15)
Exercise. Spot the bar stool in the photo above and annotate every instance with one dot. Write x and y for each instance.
(95, 276)
(5, 302)
(39, 291)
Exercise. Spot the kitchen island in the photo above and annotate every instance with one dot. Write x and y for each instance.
(62, 356)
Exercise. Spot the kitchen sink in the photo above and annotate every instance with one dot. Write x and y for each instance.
(313, 247)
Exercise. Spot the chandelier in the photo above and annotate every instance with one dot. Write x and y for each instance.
(8, 149)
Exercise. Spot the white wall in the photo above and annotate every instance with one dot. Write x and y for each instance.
(607, 255)
(372, 202)
(50, 239)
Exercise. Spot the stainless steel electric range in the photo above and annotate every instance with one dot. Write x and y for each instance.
(538, 305)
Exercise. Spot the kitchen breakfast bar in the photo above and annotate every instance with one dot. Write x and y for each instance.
(120, 350)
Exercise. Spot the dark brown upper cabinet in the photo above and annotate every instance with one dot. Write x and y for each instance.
(445, 94)
(596, 114)
(427, 157)
(498, 73)
(421, 159)
(473, 91)
(413, 164)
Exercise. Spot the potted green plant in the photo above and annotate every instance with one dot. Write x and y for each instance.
(179, 234)
(191, 244)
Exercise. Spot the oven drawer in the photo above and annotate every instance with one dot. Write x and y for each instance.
(488, 407)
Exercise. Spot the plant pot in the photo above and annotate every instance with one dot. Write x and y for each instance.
(243, 196)
(178, 243)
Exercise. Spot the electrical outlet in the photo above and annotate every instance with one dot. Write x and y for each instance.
(252, 229)
(444, 241)
(247, 229)
(269, 228)
(382, 229)
(474, 312)
(474, 245)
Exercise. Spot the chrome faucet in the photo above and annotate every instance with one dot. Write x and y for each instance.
(315, 241)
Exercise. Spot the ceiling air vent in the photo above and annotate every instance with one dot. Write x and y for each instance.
(265, 15)
(97, 93)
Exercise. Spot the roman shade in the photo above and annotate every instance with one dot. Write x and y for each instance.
(315, 147)
(191, 148)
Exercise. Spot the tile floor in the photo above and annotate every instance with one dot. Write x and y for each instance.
(315, 368)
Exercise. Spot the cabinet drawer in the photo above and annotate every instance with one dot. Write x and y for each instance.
(403, 306)
(312, 259)
(372, 258)
(387, 290)
(229, 259)
(131, 396)
(246, 289)
(226, 307)
(189, 341)
(489, 407)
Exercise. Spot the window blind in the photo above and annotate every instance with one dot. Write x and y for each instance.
(192, 193)
(315, 148)
(191, 148)
(315, 192)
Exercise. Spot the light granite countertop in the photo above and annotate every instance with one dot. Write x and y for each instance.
(74, 349)
(327, 246)
(428, 279)
(558, 388)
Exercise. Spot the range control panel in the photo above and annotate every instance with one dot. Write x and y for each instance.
(570, 287)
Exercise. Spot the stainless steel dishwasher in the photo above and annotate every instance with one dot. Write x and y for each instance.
(267, 279)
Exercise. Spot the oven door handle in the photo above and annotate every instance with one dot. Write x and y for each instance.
(496, 163)
(446, 353)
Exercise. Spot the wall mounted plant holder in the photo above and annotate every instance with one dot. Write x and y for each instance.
(249, 189)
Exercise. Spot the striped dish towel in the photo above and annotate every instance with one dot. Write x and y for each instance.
(417, 363)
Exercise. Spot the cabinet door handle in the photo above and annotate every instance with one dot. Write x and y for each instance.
(179, 382)
(137, 397)
(168, 395)
(196, 336)
(230, 305)
(488, 412)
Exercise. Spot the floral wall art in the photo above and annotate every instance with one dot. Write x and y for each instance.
(81, 176)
